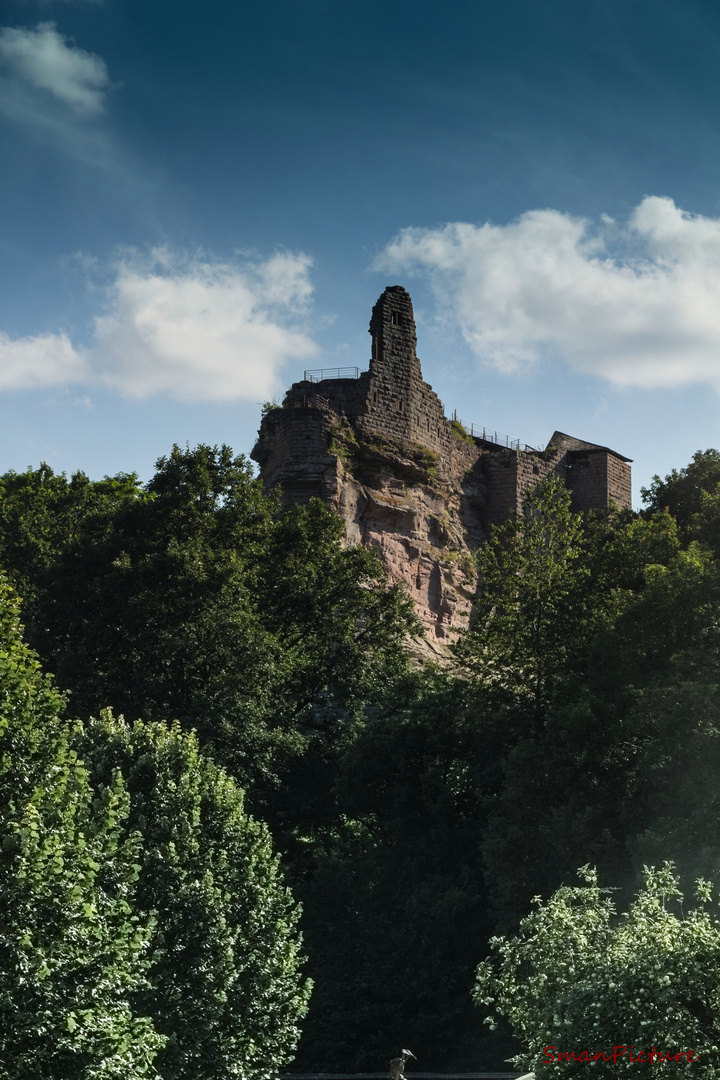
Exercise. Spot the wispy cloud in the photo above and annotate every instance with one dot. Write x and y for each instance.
(55, 94)
(198, 329)
(637, 303)
(43, 360)
(42, 62)
(187, 327)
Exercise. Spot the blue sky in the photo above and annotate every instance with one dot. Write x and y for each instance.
(199, 201)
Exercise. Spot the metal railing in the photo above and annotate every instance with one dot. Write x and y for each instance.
(498, 437)
(321, 374)
(479, 431)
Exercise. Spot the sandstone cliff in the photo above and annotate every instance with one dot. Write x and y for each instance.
(392, 496)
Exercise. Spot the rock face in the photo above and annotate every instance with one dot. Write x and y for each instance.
(377, 447)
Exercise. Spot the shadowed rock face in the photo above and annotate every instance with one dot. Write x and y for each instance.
(391, 497)
(424, 529)
(379, 449)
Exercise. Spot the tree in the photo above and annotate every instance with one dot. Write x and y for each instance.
(705, 524)
(665, 653)
(154, 613)
(393, 890)
(224, 986)
(566, 755)
(72, 950)
(42, 513)
(580, 982)
(333, 612)
(682, 490)
(196, 602)
(601, 781)
(141, 908)
(341, 631)
(524, 624)
(617, 545)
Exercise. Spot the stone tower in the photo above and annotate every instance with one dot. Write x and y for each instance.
(400, 404)
(394, 366)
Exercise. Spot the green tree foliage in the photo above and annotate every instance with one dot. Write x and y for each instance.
(72, 949)
(670, 616)
(571, 627)
(565, 743)
(416, 811)
(42, 513)
(705, 524)
(681, 492)
(160, 619)
(576, 978)
(623, 771)
(144, 923)
(524, 623)
(671, 722)
(342, 633)
(195, 602)
(224, 985)
(395, 905)
(616, 548)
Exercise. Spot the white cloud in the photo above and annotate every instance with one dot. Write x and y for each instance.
(190, 328)
(637, 304)
(44, 360)
(202, 330)
(43, 60)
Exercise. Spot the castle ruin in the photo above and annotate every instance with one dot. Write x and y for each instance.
(377, 447)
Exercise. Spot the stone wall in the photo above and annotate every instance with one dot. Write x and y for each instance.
(293, 451)
(347, 397)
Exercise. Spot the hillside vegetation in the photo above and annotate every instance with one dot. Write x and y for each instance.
(416, 812)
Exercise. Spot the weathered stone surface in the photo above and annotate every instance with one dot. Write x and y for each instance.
(406, 480)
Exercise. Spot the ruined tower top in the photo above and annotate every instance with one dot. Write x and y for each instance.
(399, 403)
(392, 406)
(394, 341)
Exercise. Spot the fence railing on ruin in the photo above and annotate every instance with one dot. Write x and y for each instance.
(312, 400)
(479, 431)
(320, 374)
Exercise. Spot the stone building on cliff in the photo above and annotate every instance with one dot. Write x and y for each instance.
(377, 447)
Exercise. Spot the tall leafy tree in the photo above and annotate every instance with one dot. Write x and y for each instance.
(224, 986)
(570, 626)
(73, 952)
(666, 650)
(705, 524)
(155, 616)
(342, 632)
(524, 622)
